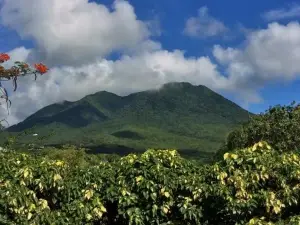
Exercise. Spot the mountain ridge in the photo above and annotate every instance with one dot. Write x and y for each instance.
(146, 119)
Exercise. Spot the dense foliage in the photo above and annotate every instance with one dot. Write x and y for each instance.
(255, 185)
(279, 126)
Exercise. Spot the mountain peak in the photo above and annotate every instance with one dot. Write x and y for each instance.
(177, 115)
(177, 84)
(182, 85)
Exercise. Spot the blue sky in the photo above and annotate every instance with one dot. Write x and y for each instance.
(246, 50)
(172, 15)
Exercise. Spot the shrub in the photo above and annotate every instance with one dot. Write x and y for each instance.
(279, 126)
(253, 185)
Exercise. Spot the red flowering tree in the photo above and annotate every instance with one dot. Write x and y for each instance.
(19, 69)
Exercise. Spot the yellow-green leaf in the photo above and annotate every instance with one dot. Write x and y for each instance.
(88, 217)
(234, 156)
(44, 203)
(103, 209)
(167, 194)
(26, 173)
(57, 177)
(165, 209)
(88, 194)
(29, 216)
(226, 155)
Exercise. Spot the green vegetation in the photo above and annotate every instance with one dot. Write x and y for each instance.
(255, 185)
(255, 179)
(192, 119)
(279, 126)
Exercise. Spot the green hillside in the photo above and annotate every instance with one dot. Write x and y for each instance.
(193, 119)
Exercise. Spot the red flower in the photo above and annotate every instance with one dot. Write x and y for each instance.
(4, 57)
(41, 68)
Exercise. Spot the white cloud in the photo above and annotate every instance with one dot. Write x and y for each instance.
(271, 54)
(71, 32)
(204, 25)
(17, 54)
(225, 56)
(154, 26)
(293, 11)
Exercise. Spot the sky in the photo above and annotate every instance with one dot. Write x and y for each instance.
(248, 51)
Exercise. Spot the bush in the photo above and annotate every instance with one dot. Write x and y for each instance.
(254, 185)
(279, 126)
(134, 190)
(256, 182)
(75, 156)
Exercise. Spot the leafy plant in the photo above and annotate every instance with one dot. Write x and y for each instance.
(279, 126)
(253, 185)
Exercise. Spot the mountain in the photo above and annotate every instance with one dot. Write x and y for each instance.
(193, 119)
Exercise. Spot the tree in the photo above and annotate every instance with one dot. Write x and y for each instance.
(279, 126)
(19, 69)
